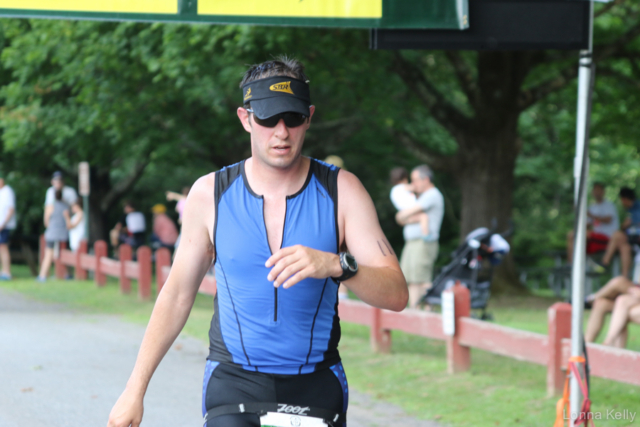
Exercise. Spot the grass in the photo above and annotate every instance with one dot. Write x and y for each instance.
(497, 391)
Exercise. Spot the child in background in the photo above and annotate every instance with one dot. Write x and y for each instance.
(403, 197)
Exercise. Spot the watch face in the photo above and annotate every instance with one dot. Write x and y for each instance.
(351, 262)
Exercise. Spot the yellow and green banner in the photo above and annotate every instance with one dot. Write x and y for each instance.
(441, 14)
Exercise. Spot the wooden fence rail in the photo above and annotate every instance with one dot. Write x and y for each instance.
(550, 350)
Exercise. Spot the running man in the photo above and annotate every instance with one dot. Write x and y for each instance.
(275, 225)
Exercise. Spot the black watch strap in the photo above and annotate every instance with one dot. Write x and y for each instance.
(349, 266)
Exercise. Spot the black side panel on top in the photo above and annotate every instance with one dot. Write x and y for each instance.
(328, 178)
(502, 25)
(217, 348)
(224, 178)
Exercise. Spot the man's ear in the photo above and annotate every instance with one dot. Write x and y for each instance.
(243, 115)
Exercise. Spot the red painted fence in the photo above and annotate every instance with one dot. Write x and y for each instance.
(550, 350)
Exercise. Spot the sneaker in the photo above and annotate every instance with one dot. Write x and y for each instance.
(595, 266)
(41, 279)
(5, 276)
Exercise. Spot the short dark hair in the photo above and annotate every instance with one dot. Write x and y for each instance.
(398, 174)
(599, 184)
(282, 65)
(130, 204)
(627, 193)
(424, 171)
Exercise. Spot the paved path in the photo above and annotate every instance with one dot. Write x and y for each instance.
(60, 368)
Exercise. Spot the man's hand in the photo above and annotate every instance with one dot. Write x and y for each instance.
(296, 263)
(127, 411)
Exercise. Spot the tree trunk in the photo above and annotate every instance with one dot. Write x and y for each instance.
(486, 179)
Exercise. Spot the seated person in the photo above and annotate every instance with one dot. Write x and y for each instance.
(602, 303)
(403, 197)
(165, 232)
(130, 229)
(621, 241)
(625, 305)
(603, 223)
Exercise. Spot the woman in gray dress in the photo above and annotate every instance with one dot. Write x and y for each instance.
(55, 233)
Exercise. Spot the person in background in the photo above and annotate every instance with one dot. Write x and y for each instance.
(56, 232)
(623, 313)
(7, 224)
(130, 229)
(69, 195)
(602, 303)
(165, 232)
(75, 225)
(403, 197)
(621, 241)
(603, 223)
(343, 292)
(420, 252)
(181, 198)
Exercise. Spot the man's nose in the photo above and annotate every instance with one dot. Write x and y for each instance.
(281, 128)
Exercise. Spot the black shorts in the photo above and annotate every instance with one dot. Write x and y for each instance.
(227, 384)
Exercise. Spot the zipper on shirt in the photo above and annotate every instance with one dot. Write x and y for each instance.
(284, 224)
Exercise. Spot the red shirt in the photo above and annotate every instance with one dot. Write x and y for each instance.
(165, 229)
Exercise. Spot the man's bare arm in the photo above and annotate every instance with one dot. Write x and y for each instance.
(174, 303)
(408, 216)
(379, 281)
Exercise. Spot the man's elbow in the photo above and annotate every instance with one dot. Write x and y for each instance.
(400, 298)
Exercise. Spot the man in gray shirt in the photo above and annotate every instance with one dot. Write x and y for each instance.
(420, 251)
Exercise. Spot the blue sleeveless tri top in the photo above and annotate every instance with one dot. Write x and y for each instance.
(257, 326)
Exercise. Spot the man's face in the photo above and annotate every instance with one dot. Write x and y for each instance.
(128, 209)
(627, 203)
(598, 192)
(1, 182)
(57, 183)
(279, 146)
(418, 183)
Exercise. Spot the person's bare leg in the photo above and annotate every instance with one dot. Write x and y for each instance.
(46, 263)
(601, 307)
(614, 287)
(570, 247)
(634, 314)
(620, 316)
(414, 294)
(617, 240)
(5, 259)
(625, 258)
(417, 291)
(621, 341)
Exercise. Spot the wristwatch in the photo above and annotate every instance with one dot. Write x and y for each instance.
(349, 266)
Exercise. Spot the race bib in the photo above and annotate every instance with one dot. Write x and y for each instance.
(277, 419)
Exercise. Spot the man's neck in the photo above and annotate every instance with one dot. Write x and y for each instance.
(429, 187)
(268, 180)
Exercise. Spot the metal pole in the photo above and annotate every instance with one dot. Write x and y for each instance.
(581, 172)
(85, 203)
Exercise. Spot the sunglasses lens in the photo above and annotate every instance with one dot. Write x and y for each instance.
(291, 120)
(269, 122)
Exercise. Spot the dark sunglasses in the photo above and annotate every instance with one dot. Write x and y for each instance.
(291, 120)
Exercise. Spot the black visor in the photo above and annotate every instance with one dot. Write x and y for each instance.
(275, 95)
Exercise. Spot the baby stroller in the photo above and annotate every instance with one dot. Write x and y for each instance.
(472, 265)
